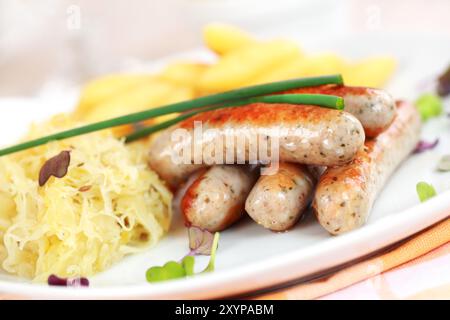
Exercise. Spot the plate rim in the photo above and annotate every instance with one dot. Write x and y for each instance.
(251, 276)
(387, 230)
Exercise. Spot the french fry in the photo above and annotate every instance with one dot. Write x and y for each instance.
(102, 89)
(293, 68)
(148, 95)
(184, 73)
(321, 64)
(143, 96)
(305, 66)
(245, 64)
(178, 94)
(243, 61)
(223, 38)
(370, 72)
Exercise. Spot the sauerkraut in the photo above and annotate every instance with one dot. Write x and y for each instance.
(108, 205)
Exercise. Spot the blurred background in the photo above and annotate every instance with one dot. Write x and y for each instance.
(52, 44)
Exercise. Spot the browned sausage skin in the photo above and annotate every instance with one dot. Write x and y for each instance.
(304, 134)
(278, 201)
(216, 198)
(345, 195)
(373, 107)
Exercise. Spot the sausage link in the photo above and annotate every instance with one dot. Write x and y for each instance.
(373, 107)
(345, 195)
(304, 134)
(216, 198)
(278, 201)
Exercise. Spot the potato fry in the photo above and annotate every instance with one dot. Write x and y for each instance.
(178, 94)
(152, 94)
(243, 61)
(293, 68)
(102, 89)
(145, 95)
(306, 66)
(322, 64)
(370, 72)
(184, 73)
(223, 38)
(245, 64)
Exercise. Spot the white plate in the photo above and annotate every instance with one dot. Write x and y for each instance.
(250, 257)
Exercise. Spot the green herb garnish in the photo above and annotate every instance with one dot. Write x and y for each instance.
(429, 106)
(177, 270)
(171, 270)
(425, 191)
(212, 260)
(322, 100)
(219, 98)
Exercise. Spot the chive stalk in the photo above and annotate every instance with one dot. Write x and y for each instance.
(322, 100)
(229, 96)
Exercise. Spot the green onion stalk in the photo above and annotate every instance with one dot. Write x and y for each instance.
(322, 100)
(206, 101)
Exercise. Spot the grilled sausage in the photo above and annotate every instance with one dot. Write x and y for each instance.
(345, 195)
(300, 134)
(181, 191)
(316, 171)
(373, 107)
(216, 198)
(278, 201)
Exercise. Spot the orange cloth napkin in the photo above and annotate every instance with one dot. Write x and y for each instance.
(428, 244)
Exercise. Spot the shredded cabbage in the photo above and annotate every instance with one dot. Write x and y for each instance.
(108, 205)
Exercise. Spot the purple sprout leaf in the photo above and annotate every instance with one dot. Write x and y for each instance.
(200, 241)
(56, 167)
(423, 146)
(54, 280)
